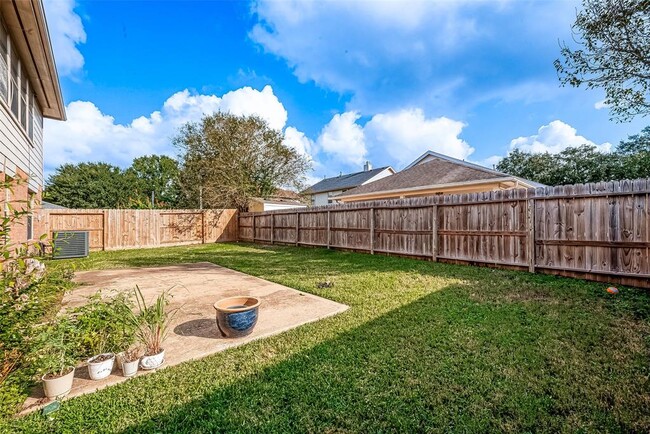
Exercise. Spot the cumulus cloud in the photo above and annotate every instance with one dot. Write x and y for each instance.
(553, 138)
(406, 134)
(90, 135)
(420, 52)
(343, 139)
(297, 140)
(66, 33)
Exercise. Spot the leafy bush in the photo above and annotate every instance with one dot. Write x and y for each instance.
(102, 325)
(55, 347)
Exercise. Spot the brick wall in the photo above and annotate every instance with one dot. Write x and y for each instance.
(18, 198)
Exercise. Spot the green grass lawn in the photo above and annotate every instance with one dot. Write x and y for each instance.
(424, 347)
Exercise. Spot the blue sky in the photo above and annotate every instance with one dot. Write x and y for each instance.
(345, 81)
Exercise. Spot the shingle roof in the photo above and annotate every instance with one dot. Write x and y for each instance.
(343, 182)
(49, 205)
(439, 170)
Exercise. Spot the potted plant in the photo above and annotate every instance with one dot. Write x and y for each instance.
(129, 361)
(151, 324)
(101, 364)
(55, 360)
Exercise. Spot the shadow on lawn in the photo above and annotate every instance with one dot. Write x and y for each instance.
(438, 363)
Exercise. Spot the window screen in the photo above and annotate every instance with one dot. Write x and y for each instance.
(4, 73)
(14, 91)
(24, 107)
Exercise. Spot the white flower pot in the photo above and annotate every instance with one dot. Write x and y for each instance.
(152, 362)
(129, 369)
(101, 370)
(58, 387)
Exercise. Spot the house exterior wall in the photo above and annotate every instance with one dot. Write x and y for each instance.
(21, 134)
(259, 206)
(324, 198)
(380, 175)
(328, 197)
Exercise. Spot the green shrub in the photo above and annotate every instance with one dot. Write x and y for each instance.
(102, 325)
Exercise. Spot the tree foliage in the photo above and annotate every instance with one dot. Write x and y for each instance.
(157, 174)
(89, 185)
(614, 54)
(583, 164)
(102, 185)
(226, 160)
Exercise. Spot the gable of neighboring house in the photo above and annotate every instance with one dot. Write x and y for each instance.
(324, 191)
(434, 173)
(281, 199)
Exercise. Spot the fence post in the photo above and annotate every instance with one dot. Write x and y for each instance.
(372, 231)
(297, 228)
(272, 227)
(202, 226)
(434, 233)
(530, 236)
(104, 229)
(328, 230)
(253, 216)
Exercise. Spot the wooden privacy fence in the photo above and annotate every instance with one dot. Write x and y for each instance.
(115, 229)
(597, 231)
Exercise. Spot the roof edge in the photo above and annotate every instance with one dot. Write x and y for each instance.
(437, 186)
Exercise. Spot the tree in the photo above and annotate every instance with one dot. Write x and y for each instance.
(536, 167)
(226, 160)
(89, 185)
(157, 174)
(635, 153)
(614, 54)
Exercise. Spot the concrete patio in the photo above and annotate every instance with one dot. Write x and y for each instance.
(195, 288)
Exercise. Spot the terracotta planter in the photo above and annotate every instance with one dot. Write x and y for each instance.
(152, 362)
(58, 387)
(101, 366)
(236, 316)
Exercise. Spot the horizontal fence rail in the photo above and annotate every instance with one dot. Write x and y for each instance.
(116, 229)
(598, 231)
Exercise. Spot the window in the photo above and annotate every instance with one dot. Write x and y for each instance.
(30, 227)
(24, 108)
(16, 89)
(4, 71)
(30, 118)
(14, 80)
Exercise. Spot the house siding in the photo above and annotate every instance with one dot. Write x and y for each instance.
(18, 152)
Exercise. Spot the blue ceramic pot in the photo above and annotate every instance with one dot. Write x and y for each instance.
(236, 316)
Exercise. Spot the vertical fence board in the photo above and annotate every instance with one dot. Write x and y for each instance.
(598, 231)
(115, 229)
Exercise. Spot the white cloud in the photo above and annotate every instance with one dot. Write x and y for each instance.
(66, 33)
(299, 141)
(90, 135)
(406, 134)
(599, 105)
(554, 138)
(343, 138)
(424, 53)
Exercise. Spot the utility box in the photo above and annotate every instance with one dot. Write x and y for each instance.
(70, 244)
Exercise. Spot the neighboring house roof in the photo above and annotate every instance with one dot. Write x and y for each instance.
(343, 182)
(49, 205)
(435, 170)
(281, 193)
(26, 24)
(279, 201)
